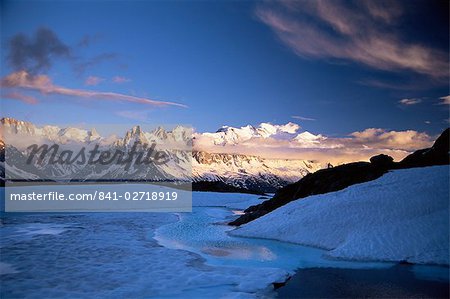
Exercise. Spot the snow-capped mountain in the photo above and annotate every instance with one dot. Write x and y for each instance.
(231, 136)
(250, 172)
(135, 135)
(245, 171)
(12, 128)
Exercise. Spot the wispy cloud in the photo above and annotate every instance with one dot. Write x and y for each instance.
(409, 102)
(445, 100)
(89, 39)
(302, 118)
(93, 80)
(356, 31)
(119, 79)
(82, 66)
(43, 84)
(20, 97)
(386, 84)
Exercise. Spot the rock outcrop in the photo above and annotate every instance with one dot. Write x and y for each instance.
(438, 154)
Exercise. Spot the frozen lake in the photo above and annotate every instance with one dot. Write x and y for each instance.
(142, 255)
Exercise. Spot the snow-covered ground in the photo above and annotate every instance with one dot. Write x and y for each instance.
(151, 255)
(205, 232)
(402, 216)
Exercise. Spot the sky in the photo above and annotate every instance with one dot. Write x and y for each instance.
(332, 67)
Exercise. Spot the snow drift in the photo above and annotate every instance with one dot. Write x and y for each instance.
(402, 216)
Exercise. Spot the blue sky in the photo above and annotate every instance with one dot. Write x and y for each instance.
(347, 66)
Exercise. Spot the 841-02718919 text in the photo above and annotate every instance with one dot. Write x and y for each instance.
(97, 195)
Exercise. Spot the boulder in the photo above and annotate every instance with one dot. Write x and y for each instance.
(383, 161)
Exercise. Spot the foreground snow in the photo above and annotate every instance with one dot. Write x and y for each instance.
(402, 216)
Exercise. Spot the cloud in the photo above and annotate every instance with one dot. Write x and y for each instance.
(20, 97)
(356, 31)
(445, 100)
(88, 39)
(119, 79)
(409, 102)
(377, 9)
(81, 67)
(400, 140)
(302, 118)
(387, 84)
(270, 129)
(357, 146)
(43, 84)
(93, 80)
(36, 53)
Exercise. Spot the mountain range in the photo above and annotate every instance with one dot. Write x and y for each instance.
(249, 172)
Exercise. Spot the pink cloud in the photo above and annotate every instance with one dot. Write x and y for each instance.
(303, 118)
(43, 84)
(93, 80)
(401, 140)
(363, 35)
(20, 97)
(119, 79)
(445, 100)
(409, 102)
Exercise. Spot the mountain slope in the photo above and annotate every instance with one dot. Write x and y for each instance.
(250, 172)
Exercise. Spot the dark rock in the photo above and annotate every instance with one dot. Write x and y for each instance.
(277, 285)
(382, 161)
(438, 154)
(218, 186)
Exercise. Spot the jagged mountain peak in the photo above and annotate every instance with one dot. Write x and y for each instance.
(134, 135)
(227, 135)
(93, 135)
(160, 132)
(239, 170)
(136, 130)
(11, 125)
